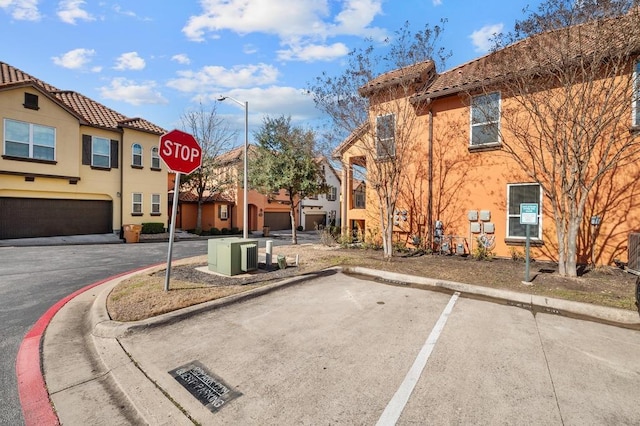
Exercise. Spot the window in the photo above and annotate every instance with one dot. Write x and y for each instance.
(332, 195)
(224, 212)
(155, 204)
(516, 195)
(136, 207)
(636, 103)
(485, 119)
(136, 155)
(28, 140)
(101, 152)
(385, 133)
(359, 200)
(155, 158)
(30, 101)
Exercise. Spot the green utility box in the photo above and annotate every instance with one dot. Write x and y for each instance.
(232, 256)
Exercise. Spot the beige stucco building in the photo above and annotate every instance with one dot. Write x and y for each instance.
(71, 165)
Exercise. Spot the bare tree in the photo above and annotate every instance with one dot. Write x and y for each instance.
(365, 93)
(215, 138)
(567, 86)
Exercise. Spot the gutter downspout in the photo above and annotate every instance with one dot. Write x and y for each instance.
(430, 178)
(121, 183)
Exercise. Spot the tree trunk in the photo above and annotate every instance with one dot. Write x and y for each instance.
(199, 216)
(294, 233)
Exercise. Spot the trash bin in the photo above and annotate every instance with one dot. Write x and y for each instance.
(265, 231)
(132, 233)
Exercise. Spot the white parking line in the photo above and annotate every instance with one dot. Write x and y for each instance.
(394, 408)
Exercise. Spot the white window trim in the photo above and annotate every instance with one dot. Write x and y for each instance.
(155, 158)
(333, 194)
(134, 203)
(510, 237)
(133, 155)
(153, 204)
(93, 154)
(224, 212)
(472, 124)
(32, 144)
(384, 141)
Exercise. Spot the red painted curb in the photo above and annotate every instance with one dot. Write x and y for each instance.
(37, 408)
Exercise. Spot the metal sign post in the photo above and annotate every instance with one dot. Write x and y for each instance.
(172, 231)
(528, 217)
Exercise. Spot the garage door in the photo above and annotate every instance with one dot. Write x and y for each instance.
(311, 221)
(277, 221)
(37, 217)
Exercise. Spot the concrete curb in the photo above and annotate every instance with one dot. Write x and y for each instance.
(154, 405)
(618, 317)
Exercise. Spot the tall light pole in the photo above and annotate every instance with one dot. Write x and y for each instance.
(245, 209)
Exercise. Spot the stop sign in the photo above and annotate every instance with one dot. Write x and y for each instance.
(180, 151)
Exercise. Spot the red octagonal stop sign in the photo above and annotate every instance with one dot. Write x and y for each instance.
(180, 151)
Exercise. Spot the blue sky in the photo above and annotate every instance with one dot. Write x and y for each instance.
(158, 59)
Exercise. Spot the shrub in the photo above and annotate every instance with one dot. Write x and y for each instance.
(224, 231)
(516, 255)
(482, 250)
(235, 230)
(153, 228)
(214, 231)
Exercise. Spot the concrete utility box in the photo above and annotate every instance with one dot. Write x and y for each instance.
(232, 256)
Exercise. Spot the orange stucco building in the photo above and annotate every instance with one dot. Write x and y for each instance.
(459, 170)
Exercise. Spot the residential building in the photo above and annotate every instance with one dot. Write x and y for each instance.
(469, 170)
(323, 209)
(71, 165)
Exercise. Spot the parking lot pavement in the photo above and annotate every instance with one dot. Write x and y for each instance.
(336, 349)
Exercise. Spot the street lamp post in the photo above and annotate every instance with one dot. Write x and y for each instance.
(245, 217)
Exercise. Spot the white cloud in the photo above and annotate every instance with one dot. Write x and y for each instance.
(437, 2)
(216, 77)
(74, 59)
(70, 11)
(130, 61)
(314, 52)
(181, 58)
(128, 91)
(249, 49)
(22, 10)
(295, 23)
(482, 38)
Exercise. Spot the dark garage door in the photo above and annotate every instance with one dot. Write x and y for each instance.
(38, 217)
(277, 221)
(311, 221)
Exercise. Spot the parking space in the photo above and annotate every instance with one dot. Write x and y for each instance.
(336, 350)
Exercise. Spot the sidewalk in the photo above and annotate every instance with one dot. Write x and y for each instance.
(91, 378)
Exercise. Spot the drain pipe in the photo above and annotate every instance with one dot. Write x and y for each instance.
(430, 177)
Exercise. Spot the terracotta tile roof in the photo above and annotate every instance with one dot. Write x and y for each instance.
(86, 109)
(191, 197)
(529, 55)
(420, 73)
(234, 155)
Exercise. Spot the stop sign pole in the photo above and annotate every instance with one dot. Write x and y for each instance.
(181, 153)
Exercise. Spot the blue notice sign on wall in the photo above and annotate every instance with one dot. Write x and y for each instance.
(528, 214)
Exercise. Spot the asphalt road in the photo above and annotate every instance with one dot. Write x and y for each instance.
(35, 278)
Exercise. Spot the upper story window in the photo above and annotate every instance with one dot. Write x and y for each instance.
(485, 119)
(136, 155)
(100, 152)
(28, 140)
(636, 101)
(332, 195)
(155, 158)
(516, 195)
(385, 136)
